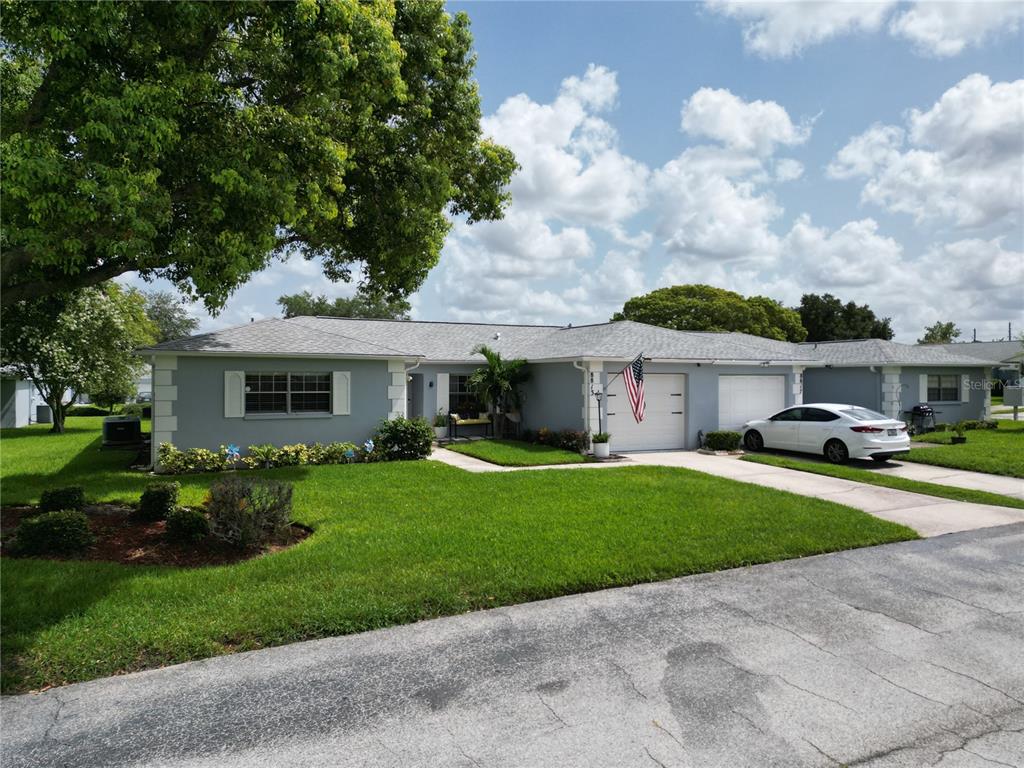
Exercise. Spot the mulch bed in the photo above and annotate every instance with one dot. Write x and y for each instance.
(122, 539)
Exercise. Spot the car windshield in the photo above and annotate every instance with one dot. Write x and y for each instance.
(864, 414)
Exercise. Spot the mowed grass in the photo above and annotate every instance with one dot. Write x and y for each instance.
(393, 543)
(996, 451)
(516, 453)
(878, 477)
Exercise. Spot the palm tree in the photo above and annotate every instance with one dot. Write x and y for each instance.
(498, 382)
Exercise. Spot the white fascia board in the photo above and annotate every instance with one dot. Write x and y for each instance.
(288, 355)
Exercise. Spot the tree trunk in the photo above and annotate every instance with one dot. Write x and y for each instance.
(58, 409)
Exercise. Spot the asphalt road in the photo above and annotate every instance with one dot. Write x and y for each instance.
(903, 655)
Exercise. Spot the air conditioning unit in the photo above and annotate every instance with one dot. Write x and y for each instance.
(122, 431)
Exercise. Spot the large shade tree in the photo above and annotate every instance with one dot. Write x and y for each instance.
(827, 318)
(363, 304)
(940, 333)
(706, 308)
(72, 343)
(197, 141)
(170, 316)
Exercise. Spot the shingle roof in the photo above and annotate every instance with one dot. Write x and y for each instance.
(882, 352)
(456, 341)
(1004, 351)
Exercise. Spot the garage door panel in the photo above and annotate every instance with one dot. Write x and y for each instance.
(742, 398)
(664, 424)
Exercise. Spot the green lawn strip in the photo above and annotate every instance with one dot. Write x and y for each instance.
(516, 453)
(995, 451)
(393, 543)
(877, 477)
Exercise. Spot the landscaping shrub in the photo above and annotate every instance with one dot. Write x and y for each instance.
(62, 532)
(292, 455)
(248, 513)
(403, 438)
(86, 410)
(142, 410)
(722, 441)
(70, 497)
(177, 462)
(566, 439)
(261, 456)
(158, 501)
(187, 525)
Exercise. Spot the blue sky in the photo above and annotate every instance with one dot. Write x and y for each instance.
(873, 151)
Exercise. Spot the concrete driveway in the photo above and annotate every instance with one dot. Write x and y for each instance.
(901, 655)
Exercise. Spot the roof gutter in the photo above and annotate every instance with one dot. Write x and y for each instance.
(147, 352)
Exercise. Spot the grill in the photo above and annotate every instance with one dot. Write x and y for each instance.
(922, 418)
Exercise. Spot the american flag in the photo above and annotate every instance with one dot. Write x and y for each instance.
(633, 375)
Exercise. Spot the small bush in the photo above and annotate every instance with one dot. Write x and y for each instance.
(403, 438)
(722, 441)
(292, 455)
(142, 410)
(158, 501)
(566, 439)
(70, 497)
(261, 456)
(602, 437)
(248, 513)
(62, 532)
(340, 453)
(176, 462)
(86, 410)
(187, 525)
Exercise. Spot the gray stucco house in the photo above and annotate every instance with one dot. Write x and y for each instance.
(1010, 355)
(309, 379)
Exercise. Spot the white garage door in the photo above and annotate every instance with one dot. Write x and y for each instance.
(664, 424)
(742, 398)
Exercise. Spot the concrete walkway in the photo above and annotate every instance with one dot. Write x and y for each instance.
(885, 657)
(957, 478)
(928, 515)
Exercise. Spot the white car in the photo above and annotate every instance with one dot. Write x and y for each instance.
(840, 432)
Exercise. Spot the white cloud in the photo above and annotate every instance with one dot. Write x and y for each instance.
(945, 29)
(853, 255)
(746, 126)
(572, 168)
(960, 161)
(783, 29)
(788, 169)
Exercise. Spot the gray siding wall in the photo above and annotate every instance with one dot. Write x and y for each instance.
(701, 411)
(199, 407)
(855, 386)
(553, 397)
(947, 412)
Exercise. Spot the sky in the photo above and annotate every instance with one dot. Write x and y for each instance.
(874, 151)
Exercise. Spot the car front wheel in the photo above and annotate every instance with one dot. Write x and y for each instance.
(836, 452)
(753, 441)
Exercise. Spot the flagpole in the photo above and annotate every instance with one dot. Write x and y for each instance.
(604, 389)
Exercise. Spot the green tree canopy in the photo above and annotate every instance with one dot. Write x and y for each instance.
(826, 318)
(706, 308)
(196, 141)
(940, 333)
(361, 305)
(71, 343)
(167, 312)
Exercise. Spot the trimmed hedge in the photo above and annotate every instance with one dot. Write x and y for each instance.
(158, 501)
(62, 532)
(69, 497)
(722, 441)
(404, 438)
(187, 525)
(566, 439)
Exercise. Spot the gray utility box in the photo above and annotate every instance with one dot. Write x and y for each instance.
(1013, 396)
(44, 414)
(122, 431)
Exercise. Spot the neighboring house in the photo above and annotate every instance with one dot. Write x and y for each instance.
(309, 379)
(15, 401)
(892, 378)
(1010, 355)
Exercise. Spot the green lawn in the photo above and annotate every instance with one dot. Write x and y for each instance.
(996, 451)
(393, 543)
(516, 453)
(878, 477)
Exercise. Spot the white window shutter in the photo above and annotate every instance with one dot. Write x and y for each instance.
(965, 388)
(234, 394)
(922, 395)
(341, 393)
(442, 392)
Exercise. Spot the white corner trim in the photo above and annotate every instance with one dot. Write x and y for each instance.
(165, 363)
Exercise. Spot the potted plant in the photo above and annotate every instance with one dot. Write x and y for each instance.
(602, 446)
(959, 438)
(440, 425)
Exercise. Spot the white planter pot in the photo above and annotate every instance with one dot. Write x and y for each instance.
(602, 450)
(440, 432)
